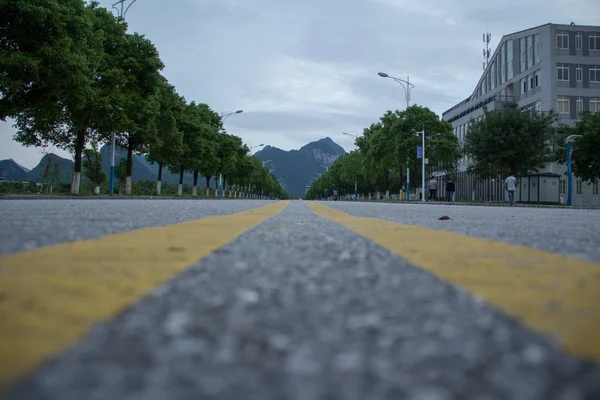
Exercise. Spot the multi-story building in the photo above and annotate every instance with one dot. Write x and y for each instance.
(547, 67)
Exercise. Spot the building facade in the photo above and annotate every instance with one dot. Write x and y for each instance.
(549, 67)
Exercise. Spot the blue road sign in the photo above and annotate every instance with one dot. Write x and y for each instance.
(419, 152)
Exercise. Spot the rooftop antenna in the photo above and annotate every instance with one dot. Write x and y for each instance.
(486, 50)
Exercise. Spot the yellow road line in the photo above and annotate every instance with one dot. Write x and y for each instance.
(50, 297)
(550, 293)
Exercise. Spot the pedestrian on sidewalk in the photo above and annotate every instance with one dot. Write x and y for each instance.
(450, 189)
(433, 185)
(510, 184)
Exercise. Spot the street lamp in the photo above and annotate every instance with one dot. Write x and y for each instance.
(113, 143)
(404, 83)
(355, 178)
(422, 165)
(223, 118)
(569, 140)
(407, 89)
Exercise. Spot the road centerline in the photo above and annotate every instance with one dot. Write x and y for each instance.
(51, 296)
(550, 293)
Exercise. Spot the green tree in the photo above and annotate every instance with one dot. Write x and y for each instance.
(92, 166)
(586, 148)
(121, 174)
(50, 54)
(509, 141)
(167, 145)
(138, 96)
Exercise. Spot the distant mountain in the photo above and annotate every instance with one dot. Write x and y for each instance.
(65, 169)
(295, 169)
(144, 170)
(11, 171)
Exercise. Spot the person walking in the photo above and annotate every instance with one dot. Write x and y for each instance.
(450, 189)
(510, 184)
(433, 185)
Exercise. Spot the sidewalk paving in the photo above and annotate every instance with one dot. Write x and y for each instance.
(480, 204)
(107, 197)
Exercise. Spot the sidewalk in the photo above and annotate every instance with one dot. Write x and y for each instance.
(482, 204)
(107, 197)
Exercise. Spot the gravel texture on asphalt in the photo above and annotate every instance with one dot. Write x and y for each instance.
(572, 232)
(26, 225)
(302, 308)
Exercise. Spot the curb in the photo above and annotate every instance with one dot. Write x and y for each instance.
(418, 202)
(105, 197)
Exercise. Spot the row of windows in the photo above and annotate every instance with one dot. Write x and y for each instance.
(530, 82)
(562, 41)
(562, 73)
(563, 104)
(501, 67)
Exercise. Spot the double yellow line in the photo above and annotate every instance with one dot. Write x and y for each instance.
(50, 297)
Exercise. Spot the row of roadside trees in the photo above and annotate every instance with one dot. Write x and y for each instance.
(71, 77)
(502, 142)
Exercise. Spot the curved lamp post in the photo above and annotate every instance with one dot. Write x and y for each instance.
(223, 118)
(407, 89)
(569, 140)
(404, 83)
(111, 177)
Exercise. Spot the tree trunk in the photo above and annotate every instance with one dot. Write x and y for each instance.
(180, 187)
(129, 169)
(195, 187)
(79, 145)
(159, 179)
(97, 189)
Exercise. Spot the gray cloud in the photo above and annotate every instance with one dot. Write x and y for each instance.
(304, 70)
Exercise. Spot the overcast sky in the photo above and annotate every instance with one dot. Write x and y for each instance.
(304, 70)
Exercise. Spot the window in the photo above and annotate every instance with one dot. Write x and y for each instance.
(536, 49)
(523, 62)
(563, 187)
(595, 42)
(595, 104)
(509, 59)
(595, 74)
(579, 73)
(537, 78)
(493, 74)
(578, 41)
(562, 104)
(562, 41)
(502, 63)
(595, 187)
(562, 72)
(531, 82)
(579, 105)
(523, 85)
(538, 106)
(529, 51)
(578, 187)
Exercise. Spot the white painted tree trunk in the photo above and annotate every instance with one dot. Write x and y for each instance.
(180, 190)
(96, 189)
(387, 194)
(128, 185)
(51, 189)
(75, 182)
(194, 191)
(207, 192)
(158, 187)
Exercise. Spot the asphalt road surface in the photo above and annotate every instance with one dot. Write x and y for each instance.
(296, 300)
